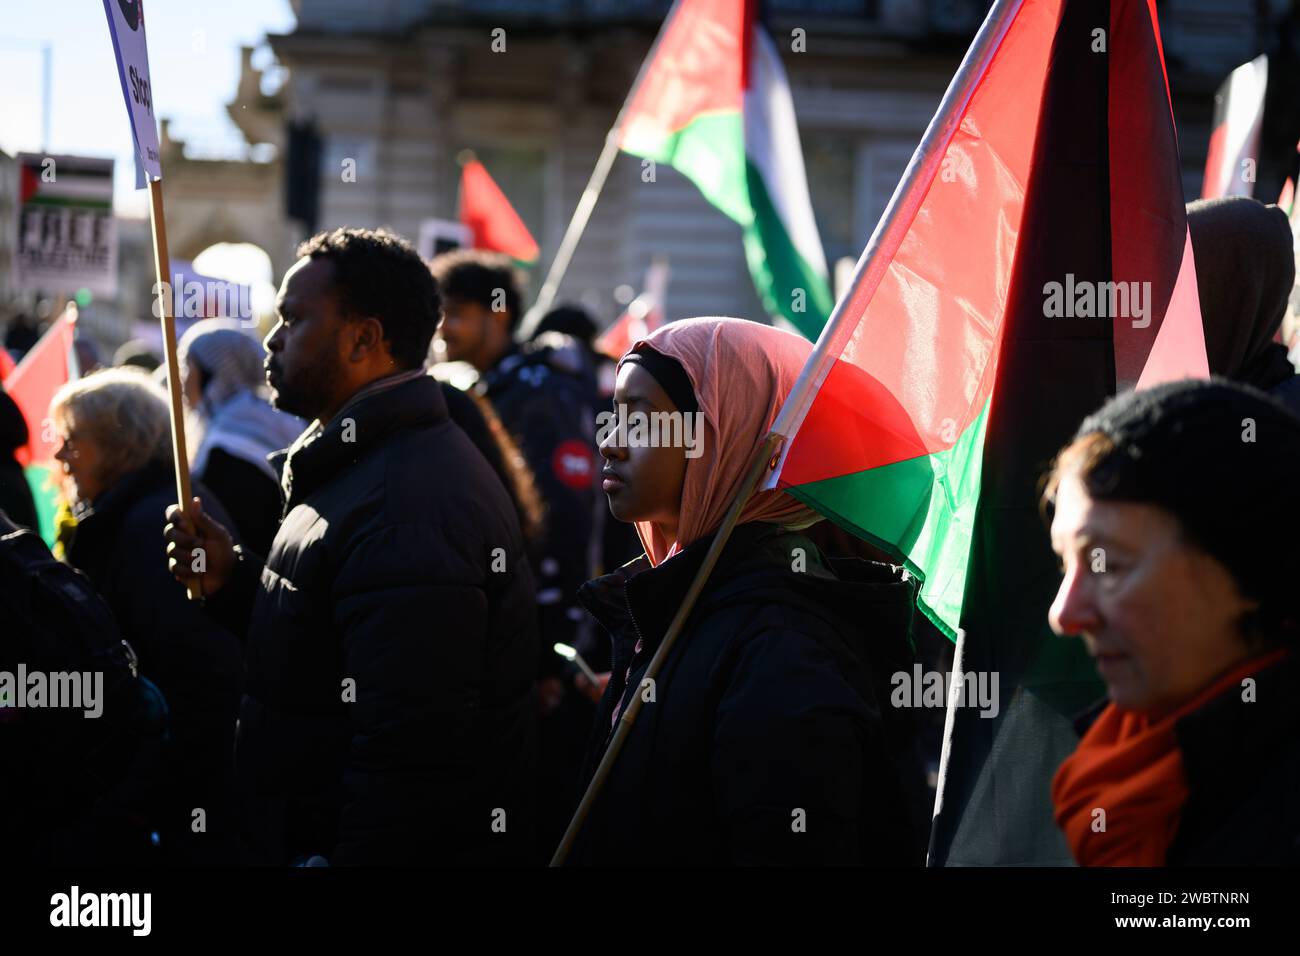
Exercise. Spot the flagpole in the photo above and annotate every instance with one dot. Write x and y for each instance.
(764, 460)
(898, 215)
(587, 202)
(162, 269)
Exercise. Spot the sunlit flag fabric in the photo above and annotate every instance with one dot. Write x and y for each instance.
(46, 368)
(969, 350)
(1234, 141)
(491, 220)
(714, 103)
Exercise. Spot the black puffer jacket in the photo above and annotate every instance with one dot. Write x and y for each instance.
(769, 704)
(392, 648)
(545, 399)
(195, 662)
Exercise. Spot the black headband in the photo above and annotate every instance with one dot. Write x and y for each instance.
(670, 375)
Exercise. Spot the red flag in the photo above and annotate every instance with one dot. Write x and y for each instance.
(42, 372)
(491, 220)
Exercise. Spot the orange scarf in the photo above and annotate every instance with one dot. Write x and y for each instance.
(1130, 766)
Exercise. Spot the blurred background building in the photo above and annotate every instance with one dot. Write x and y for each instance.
(396, 89)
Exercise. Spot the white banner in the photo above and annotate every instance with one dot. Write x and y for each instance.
(67, 236)
(126, 27)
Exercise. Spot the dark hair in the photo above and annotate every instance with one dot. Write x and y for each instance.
(1083, 458)
(474, 275)
(571, 320)
(378, 273)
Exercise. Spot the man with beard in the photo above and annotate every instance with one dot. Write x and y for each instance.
(391, 642)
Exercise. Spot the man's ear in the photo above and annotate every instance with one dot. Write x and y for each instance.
(367, 339)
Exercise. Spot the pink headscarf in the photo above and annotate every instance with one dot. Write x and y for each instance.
(741, 372)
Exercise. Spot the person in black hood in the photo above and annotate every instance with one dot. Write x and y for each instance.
(1245, 270)
(391, 650)
(764, 738)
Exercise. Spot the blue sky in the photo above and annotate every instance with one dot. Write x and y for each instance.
(193, 65)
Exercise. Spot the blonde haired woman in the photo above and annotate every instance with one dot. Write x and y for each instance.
(115, 449)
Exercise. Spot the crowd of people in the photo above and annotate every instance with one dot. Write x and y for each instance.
(416, 614)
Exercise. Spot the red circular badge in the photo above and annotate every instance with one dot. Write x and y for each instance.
(572, 464)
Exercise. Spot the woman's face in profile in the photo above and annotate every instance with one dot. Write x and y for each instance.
(643, 482)
(81, 455)
(1159, 616)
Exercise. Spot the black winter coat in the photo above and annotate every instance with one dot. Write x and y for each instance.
(392, 648)
(766, 741)
(251, 497)
(1242, 761)
(194, 661)
(547, 404)
(1242, 764)
(15, 496)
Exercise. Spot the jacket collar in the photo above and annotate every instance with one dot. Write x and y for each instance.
(101, 519)
(643, 599)
(867, 600)
(390, 405)
(499, 374)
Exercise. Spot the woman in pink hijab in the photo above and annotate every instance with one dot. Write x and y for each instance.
(761, 739)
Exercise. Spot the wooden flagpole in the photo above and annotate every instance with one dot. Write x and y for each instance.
(166, 299)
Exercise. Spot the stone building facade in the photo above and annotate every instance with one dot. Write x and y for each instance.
(398, 89)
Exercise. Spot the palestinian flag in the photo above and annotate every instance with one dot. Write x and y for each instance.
(492, 222)
(1234, 141)
(713, 102)
(46, 368)
(1034, 260)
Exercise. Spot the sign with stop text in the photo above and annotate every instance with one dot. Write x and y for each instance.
(126, 27)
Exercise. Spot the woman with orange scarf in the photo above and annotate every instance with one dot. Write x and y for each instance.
(1173, 513)
(761, 740)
